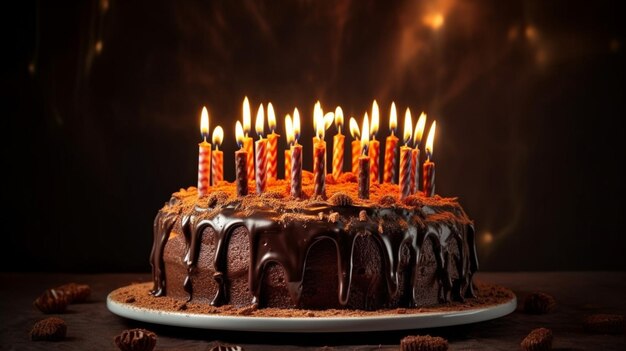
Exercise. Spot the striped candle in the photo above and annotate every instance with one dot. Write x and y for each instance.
(217, 159)
(405, 172)
(204, 155)
(338, 141)
(272, 156)
(374, 150)
(319, 169)
(287, 165)
(391, 144)
(356, 153)
(261, 165)
(248, 145)
(415, 168)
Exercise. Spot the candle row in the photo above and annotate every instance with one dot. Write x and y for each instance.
(365, 152)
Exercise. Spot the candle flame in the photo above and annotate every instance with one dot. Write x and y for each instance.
(375, 120)
(354, 129)
(271, 117)
(430, 140)
(317, 113)
(408, 126)
(204, 123)
(246, 116)
(289, 130)
(218, 137)
(259, 126)
(365, 137)
(393, 118)
(328, 120)
(419, 129)
(239, 134)
(296, 124)
(319, 126)
(339, 118)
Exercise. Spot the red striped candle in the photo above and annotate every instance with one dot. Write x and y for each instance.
(248, 145)
(391, 144)
(405, 172)
(261, 165)
(319, 169)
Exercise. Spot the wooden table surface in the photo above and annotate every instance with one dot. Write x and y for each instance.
(92, 327)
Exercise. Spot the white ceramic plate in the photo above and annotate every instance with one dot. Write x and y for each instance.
(312, 324)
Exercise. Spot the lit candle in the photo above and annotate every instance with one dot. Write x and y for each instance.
(217, 161)
(241, 163)
(261, 152)
(290, 137)
(405, 159)
(272, 144)
(429, 166)
(364, 162)
(248, 144)
(204, 155)
(318, 114)
(391, 144)
(338, 147)
(356, 145)
(374, 145)
(319, 160)
(296, 159)
(415, 155)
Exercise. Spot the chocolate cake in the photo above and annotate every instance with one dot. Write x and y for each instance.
(336, 251)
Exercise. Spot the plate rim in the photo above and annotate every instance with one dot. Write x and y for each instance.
(322, 324)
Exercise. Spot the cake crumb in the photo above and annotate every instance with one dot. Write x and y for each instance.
(333, 217)
(321, 216)
(423, 343)
(130, 299)
(539, 339)
(247, 310)
(401, 311)
(136, 340)
(49, 329)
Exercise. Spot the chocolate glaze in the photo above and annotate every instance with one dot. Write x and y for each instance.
(285, 234)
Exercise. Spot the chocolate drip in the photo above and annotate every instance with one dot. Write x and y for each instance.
(285, 236)
(162, 227)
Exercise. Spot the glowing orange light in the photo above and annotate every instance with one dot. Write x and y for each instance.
(338, 118)
(218, 137)
(375, 120)
(239, 134)
(419, 128)
(430, 141)
(204, 123)
(393, 118)
(289, 130)
(354, 129)
(296, 124)
(259, 126)
(271, 117)
(246, 116)
(408, 127)
(365, 137)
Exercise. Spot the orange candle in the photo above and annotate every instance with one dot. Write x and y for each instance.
(290, 138)
(405, 159)
(241, 159)
(204, 156)
(261, 153)
(272, 144)
(356, 145)
(429, 166)
(364, 163)
(391, 144)
(217, 160)
(374, 146)
(248, 144)
(338, 144)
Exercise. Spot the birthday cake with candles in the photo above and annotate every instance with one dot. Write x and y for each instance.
(326, 239)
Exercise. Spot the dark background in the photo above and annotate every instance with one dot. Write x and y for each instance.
(103, 101)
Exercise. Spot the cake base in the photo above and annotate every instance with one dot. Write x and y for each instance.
(136, 302)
